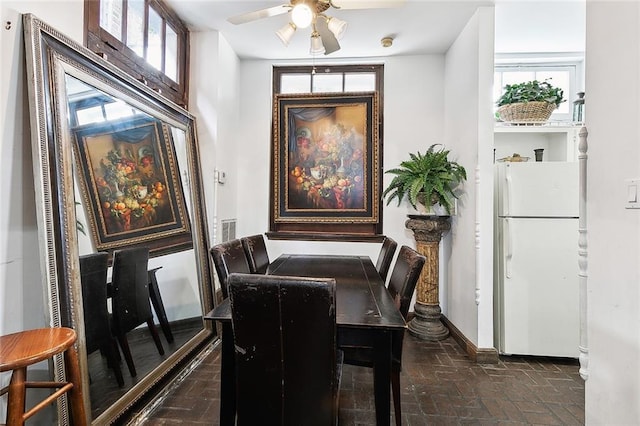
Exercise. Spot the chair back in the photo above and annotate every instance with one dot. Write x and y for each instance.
(385, 257)
(404, 278)
(402, 284)
(130, 280)
(256, 252)
(284, 331)
(229, 257)
(97, 327)
(93, 277)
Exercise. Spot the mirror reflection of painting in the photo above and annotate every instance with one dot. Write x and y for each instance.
(326, 158)
(129, 175)
(125, 174)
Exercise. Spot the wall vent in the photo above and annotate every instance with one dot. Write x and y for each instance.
(228, 230)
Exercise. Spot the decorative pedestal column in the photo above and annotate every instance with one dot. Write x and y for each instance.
(428, 230)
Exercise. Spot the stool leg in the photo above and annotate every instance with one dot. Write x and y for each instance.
(15, 405)
(76, 395)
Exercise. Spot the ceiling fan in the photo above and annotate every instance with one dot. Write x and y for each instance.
(325, 30)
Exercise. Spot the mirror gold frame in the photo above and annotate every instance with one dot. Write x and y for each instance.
(51, 57)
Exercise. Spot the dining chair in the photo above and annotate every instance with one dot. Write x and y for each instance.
(385, 257)
(130, 298)
(256, 252)
(402, 284)
(288, 367)
(97, 328)
(229, 257)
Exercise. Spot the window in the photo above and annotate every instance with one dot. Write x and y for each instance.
(145, 39)
(563, 76)
(328, 79)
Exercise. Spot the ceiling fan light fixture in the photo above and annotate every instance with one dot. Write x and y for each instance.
(285, 34)
(301, 15)
(317, 48)
(336, 26)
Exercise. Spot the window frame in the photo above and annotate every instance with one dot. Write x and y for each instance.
(312, 70)
(574, 67)
(100, 41)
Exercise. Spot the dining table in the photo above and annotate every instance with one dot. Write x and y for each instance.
(366, 316)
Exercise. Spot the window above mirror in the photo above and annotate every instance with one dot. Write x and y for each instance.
(144, 38)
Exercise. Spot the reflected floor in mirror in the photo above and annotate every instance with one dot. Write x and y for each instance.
(440, 385)
(103, 385)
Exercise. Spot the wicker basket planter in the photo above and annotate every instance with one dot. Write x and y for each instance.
(526, 112)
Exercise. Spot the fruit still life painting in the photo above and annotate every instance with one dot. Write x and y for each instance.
(326, 162)
(131, 182)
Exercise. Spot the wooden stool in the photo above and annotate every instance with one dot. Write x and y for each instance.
(20, 350)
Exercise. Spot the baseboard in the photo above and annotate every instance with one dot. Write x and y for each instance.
(479, 355)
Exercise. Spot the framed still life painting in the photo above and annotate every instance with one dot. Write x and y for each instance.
(326, 161)
(131, 185)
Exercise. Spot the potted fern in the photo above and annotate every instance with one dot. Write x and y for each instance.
(426, 179)
(529, 102)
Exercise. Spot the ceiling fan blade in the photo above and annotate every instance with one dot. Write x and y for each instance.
(259, 14)
(329, 41)
(367, 4)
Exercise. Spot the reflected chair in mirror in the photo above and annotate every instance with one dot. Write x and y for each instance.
(385, 257)
(97, 328)
(130, 298)
(229, 257)
(287, 365)
(256, 252)
(402, 284)
(158, 304)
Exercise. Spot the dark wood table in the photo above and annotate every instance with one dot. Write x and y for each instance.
(366, 315)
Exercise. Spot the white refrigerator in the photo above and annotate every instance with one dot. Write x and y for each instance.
(537, 258)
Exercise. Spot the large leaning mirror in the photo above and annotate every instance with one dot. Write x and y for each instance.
(116, 167)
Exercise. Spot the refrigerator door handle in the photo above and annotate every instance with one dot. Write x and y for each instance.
(508, 249)
(507, 191)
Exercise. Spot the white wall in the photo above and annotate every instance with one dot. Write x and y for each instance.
(413, 117)
(613, 121)
(559, 26)
(213, 96)
(254, 142)
(469, 136)
(21, 293)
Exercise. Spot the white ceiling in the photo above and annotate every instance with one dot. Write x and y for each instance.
(417, 26)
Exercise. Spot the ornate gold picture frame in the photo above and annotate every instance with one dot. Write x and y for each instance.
(326, 161)
(130, 179)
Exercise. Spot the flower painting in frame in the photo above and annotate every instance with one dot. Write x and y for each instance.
(131, 185)
(326, 161)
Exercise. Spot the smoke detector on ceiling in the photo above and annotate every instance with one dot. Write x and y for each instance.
(386, 41)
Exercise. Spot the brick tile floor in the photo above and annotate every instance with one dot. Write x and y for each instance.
(440, 386)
